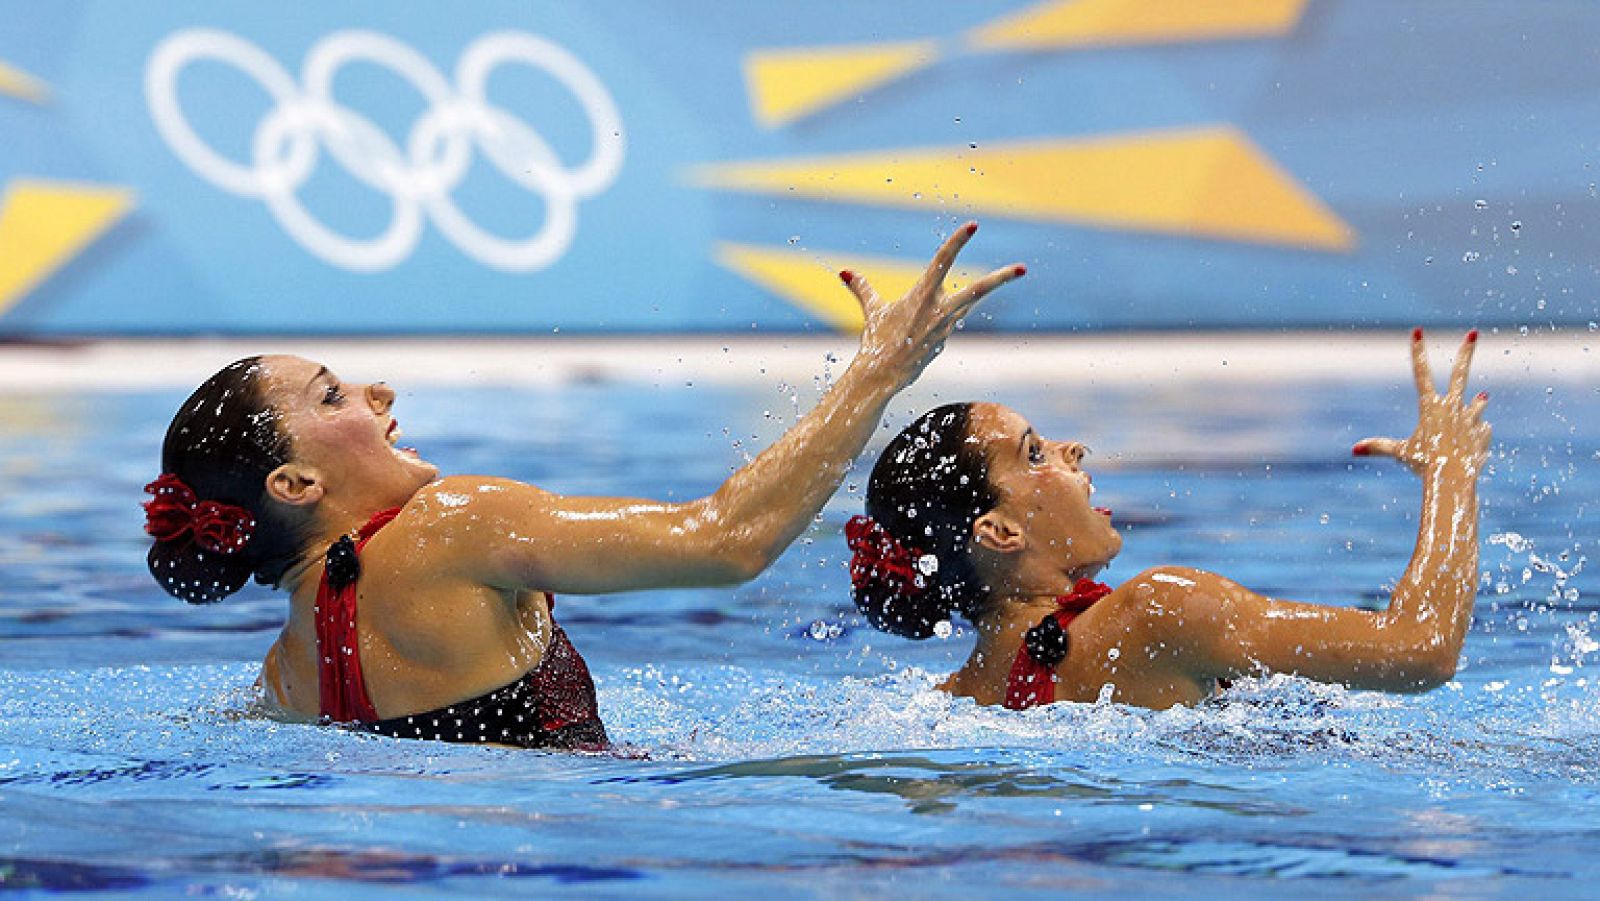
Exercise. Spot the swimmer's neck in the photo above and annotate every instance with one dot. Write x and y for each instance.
(999, 628)
(331, 522)
(1030, 599)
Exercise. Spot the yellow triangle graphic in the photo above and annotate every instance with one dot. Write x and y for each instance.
(44, 224)
(810, 279)
(1209, 182)
(17, 83)
(785, 85)
(1101, 23)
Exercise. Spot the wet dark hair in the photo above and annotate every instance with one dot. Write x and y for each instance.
(223, 443)
(927, 489)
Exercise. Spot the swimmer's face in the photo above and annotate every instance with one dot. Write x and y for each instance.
(344, 433)
(1045, 494)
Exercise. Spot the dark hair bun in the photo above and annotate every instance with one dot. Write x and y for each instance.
(928, 487)
(221, 446)
(190, 573)
(891, 580)
(906, 614)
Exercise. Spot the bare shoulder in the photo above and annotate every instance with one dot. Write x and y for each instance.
(1177, 599)
(1169, 584)
(459, 498)
(468, 527)
(471, 506)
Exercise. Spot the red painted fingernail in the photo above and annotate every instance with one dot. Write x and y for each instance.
(846, 276)
(1483, 395)
(1472, 336)
(1020, 270)
(972, 228)
(1361, 449)
(1416, 334)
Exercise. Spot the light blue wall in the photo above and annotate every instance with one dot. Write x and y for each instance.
(1429, 128)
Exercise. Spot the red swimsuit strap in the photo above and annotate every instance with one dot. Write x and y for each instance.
(1031, 681)
(342, 689)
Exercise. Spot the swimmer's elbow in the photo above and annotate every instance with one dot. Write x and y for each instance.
(1421, 666)
(743, 558)
(747, 567)
(1432, 671)
(735, 556)
(727, 567)
(1430, 656)
(723, 565)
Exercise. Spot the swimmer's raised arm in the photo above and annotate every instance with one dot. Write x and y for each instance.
(1220, 629)
(516, 536)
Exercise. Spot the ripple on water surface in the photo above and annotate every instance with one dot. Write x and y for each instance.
(749, 775)
(776, 745)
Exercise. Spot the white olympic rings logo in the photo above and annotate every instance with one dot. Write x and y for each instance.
(419, 179)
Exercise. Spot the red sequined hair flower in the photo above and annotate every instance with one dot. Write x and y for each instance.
(174, 511)
(878, 557)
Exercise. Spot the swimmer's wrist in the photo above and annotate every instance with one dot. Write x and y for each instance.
(1449, 465)
(879, 373)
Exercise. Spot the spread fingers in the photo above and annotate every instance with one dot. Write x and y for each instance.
(967, 297)
(1419, 365)
(1376, 447)
(1458, 372)
(1478, 404)
(859, 286)
(935, 274)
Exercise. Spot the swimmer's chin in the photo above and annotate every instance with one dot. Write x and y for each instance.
(412, 458)
(408, 454)
(1090, 572)
(1093, 570)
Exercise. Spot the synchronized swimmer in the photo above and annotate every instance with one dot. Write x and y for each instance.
(971, 511)
(421, 606)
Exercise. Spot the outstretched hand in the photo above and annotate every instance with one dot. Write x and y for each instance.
(1447, 427)
(906, 335)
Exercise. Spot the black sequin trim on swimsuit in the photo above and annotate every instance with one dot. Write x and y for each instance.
(552, 706)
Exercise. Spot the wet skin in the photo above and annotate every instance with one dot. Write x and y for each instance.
(1167, 635)
(452, 594)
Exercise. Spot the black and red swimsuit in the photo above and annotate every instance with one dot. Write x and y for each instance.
(1032, 680)
(552, 706)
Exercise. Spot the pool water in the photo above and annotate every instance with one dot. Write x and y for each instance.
(778, 746)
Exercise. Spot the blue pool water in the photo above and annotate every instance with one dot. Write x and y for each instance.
(781, 747)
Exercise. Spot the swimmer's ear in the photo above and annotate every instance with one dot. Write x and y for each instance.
(297, 486)
(998, 533)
